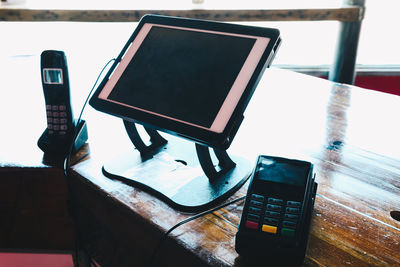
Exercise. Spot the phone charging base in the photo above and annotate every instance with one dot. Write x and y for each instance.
(60, 147)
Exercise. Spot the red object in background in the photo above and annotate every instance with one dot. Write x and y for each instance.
(383, 83)
(387, 84)
(35, 260)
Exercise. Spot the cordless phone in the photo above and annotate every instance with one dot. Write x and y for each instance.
(61, 127)
(277, 212)
(55, 82)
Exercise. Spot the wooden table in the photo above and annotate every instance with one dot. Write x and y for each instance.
(350, 134)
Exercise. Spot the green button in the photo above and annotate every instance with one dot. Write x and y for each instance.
(288, 232)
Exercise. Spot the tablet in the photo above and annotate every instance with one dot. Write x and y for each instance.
(188, 77)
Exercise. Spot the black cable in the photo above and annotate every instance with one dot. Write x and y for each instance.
(67, 166)
(165, 235)
(67, 161)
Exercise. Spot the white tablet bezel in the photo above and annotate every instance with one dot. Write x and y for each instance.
(234, 94)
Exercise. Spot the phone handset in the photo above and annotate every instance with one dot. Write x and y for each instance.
(55, 82)
(61, 129)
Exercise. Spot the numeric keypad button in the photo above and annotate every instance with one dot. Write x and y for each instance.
(291, 217)
(292, 210)
(275, 201)
(271, 221)
(254, 210)
(274, 207)
(294, 204)
(255, 203)
(257, 197)
(273, 214)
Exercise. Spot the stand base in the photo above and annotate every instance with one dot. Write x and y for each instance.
(175, 176)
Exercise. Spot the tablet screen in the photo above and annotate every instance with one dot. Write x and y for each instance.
(189, 75)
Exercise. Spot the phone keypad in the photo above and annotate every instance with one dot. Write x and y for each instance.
(273, 215)
(57, 119)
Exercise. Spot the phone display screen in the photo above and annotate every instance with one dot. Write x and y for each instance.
(52, 76)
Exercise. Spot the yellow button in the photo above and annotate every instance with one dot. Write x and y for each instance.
(269, 229)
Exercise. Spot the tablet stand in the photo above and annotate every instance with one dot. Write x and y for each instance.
(170, 171)
(156, 140)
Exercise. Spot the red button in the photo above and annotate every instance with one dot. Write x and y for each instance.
(251, 225)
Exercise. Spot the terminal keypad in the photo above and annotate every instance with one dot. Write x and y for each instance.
(273, 215)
